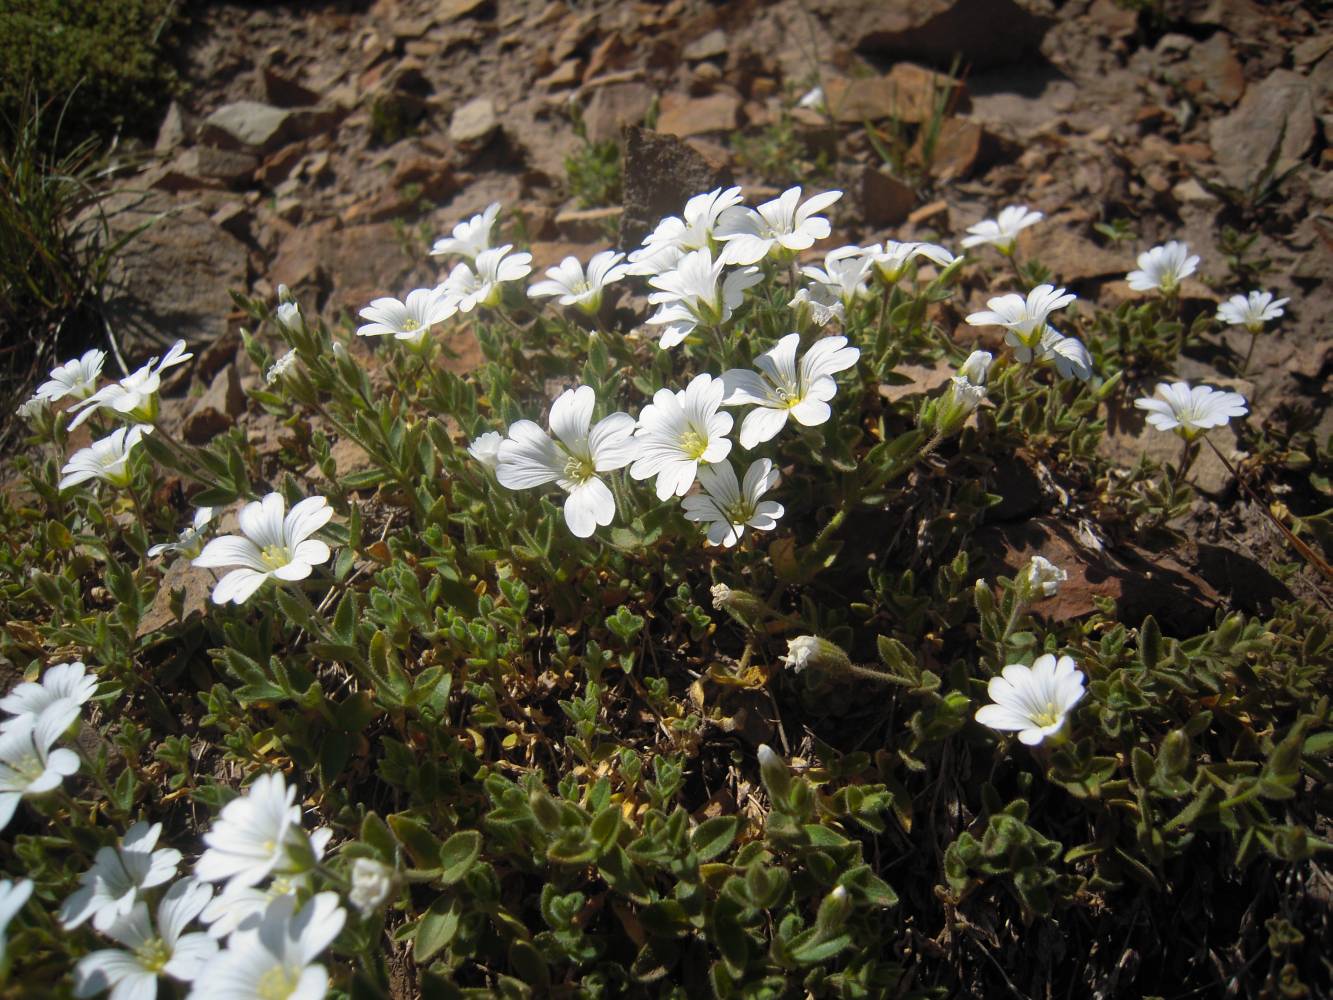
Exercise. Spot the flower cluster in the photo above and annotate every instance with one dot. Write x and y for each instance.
(39, 716)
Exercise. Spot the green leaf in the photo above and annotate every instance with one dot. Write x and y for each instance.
(437, 928)
(713, 836)
(458, 855)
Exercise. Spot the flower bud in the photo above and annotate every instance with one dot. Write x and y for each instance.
(1040, 578)
(812, 651)
(486, 449)
(976, 367)
(776, 777)
(740, 604)
(372, 884)
(833, 912)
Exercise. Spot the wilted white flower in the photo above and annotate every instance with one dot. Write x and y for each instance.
(1034, 700)
(372, 884)
(1040, 578)
(780, 388)
(410, 320)
(694, 293)
(62, 685)
(191, 539)
(845, 275)
(132, 974)
(721, 594)
(276, 956)
(28, 765)
(1163, 268)
(31, 408)
(1251, 311)
(270, 545)
(529, 457)
(1002, 231)
(76, 379)
(819, 303)
(574, 288)
(812, 651)
(728, 507)
(486, 449)
(110, 888)
(1070, 357)
(471, 237)
(891, 258)
(675, 237)
(678, 431)
(783, 225)
(258, 835)
(1024, 318)
(136, 394)
(13, 897)
(468, 289)
(1191, 411)
(281, 367)
(107, 459)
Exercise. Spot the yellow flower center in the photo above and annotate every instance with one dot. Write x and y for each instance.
(580, 470)
(693, 444)
(410, 324)
(277, 983)
(275, 556)
(153, 955)
(1049, 716)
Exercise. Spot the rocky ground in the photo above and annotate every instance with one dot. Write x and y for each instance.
(324, 146)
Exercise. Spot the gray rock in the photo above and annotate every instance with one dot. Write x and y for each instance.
(246, 124)
(217, 409)
(613, 107)
(661, 173)
(171, 134)
(1274, 123)
(474, 122)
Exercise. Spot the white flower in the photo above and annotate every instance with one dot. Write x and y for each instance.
(892, 258)
(136, 393)
(1023, 318)
(31, 408)
(679, 430)
(469, 289)
(1070, 357)
(190, 540)
(62, 685)
(1041, 578)
(574, 288)
(486, 449)
(372, 884)
(1191, 411)
(13, 897)
(77, 378)
(780, 389)
(241, 907)
(1003, 230)
(780, 225)
(721, 594)
(1163, 268)
(106, 459)
(844, 275)
(674, 237)
(1033, 700)
(812, 99)
(132, 974)
(471, 237)
(272, 546)
(289, 313)
(109, 889)
(281, 367)
(28, 765)
(976, 368)
(690, 295)
(276, 958)
(1251, 311)
(258, 835)
(820, 303)
(410, 320)
(728, 507)
(528, 457)
(812, 651)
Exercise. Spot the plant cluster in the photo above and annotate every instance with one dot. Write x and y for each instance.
(656, 656)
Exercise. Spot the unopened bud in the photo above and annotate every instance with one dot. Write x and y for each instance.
(372, 884)
(740, 604)
(1040, 578)
(833, 912)
(976, 367)
(776, 777)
